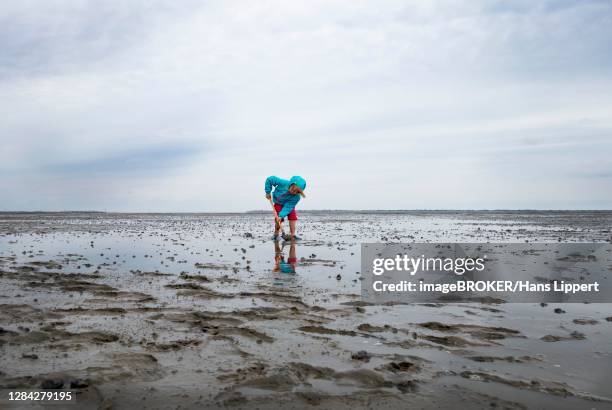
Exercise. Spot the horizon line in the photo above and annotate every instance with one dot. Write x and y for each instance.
(319, 210)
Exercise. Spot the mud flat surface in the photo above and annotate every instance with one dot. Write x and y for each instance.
(195, 311)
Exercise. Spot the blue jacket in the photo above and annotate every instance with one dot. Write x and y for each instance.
(281, 195)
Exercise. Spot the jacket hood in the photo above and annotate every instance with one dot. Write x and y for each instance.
(299, 181)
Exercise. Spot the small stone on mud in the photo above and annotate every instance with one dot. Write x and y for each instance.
(52, 384)
(361, 355)
(559, 310)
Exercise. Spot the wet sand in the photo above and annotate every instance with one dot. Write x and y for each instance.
(201, 311)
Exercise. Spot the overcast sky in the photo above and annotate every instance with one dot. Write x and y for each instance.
(190, 105)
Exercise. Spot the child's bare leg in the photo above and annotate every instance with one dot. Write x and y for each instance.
(292, 225)
(276, 228)
(292, 254)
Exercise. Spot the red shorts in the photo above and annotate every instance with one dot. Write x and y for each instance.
(292, 215)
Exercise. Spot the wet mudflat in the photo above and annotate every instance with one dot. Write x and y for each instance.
(204, 311)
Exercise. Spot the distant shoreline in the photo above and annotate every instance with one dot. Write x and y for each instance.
(319, 211)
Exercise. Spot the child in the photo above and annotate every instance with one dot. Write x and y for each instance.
(286, 196)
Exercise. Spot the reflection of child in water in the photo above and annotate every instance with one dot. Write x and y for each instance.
(280, 265)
